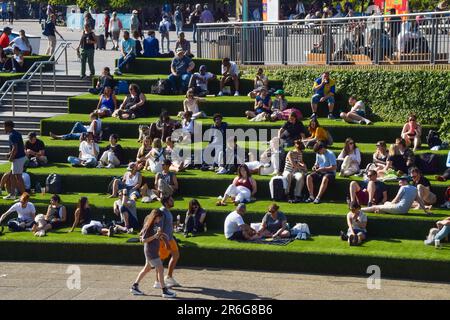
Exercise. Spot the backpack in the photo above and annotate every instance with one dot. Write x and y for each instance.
(53, 184)
(279, 194)
(433, 139)
(122, 87)
(162, 28)
(162, 87)
(428, 163)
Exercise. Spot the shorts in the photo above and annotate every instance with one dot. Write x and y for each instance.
(238, 235)
(163, 252)
(316, 99)
(318, 177)
(360, 113)
(107, 110)
(129, 189)
(155, 263)
(115, 35)
(17, 165)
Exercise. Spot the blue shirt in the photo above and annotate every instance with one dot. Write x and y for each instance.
(166, 223)
(129, 46)
(448, 160)
(151, 47)
(181, 65)
(327, 159)
(16, 138)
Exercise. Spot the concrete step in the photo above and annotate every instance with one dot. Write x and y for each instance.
(63, 77)
(74, 83)
(72, 89)
(36, 95)
(36, 108)
(22, 101)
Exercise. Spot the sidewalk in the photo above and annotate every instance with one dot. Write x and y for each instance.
(49, 282)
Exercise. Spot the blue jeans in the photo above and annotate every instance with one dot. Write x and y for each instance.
(122, 61)
(444, 232)
(75, 134)
(316, 99)
(175, 81)
(74, 161)
(179, 27)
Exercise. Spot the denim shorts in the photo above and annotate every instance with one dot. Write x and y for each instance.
(316, 99)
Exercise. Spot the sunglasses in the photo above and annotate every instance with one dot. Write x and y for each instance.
(412, 120)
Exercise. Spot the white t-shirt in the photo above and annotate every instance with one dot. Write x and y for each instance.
(20, 43)
(232, 223)
(26, 180)
(131, 181)
(234, 69)
(87, 150)
(355, 156)
(362, 219)
(24, 214)
(202, 80)
(90, 127)
(359, 105)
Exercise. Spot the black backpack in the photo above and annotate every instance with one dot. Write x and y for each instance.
(428, 163)
(278, 189)
(53, 184)
(163, 87)
(433, 139)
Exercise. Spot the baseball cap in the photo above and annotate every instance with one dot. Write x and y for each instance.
(279, 91)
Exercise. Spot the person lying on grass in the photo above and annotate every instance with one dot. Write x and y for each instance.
(83, 219)
(79, 129)
(357, 224)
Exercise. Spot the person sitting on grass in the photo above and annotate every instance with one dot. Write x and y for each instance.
(83, 219)
(324, 90)
(133, 105)
(166, 185)
(187, 127)
(402, 202)
(230, 158)
(79, 129)
(446, 175)
(380, 156)
(350, 157)
(260, 82)
(164, 127)
(400, 159)
(131, 181)
(274, 224)
(440, 233)
(106, 79)
(317, 134)
(56, 215)
(152, 235)
(35, 151)
(269, 160)
(242, 189)
(128, 53)
(107, 103)
(155, 157)
(423, 186)
(280, 110)
(235, 227)
(191, 104)
(230, 74)
(200, 80)
(88, 153)
(195, 221)
(357, 112)
(292, 130)
(125, 209)
(179, 163)
(181, 69)
(370, 193)
(412, 132)
(263, 106)
(357, 225)
(113, 156)
(26, 213)
(323, 173)
(143, 151)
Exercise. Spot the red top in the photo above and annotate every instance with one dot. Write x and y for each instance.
(4, 41)
(245, 183)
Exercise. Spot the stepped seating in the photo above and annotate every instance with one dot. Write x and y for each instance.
(28, 62)
(395, 242)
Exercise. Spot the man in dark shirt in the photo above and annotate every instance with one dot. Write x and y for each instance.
(370, 192)
(423, 186)
(35, 151)
(292, 130)
(151, 45)
(404, 159)
(17, 158)
(181, 69)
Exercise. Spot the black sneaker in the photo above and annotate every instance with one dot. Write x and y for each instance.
(351, 240)
(135, 290)
(111, 231)
(344, 236)
(309, 200)
(166, 293)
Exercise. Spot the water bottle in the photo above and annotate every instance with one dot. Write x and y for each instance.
(437, 243)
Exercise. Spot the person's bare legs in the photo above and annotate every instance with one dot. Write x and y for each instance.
(18, 181)
(115, 189)
(417, 143)
(236, 82)
(54, 136)
(314, 107)
(172, 263)
(330, 107)
(351, 117)
(310, 185)
(371, 188)
(354, 188)
(323, 187)
(250, 114)
(160, 276)
(147, 268)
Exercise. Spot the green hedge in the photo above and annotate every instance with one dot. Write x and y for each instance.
(162, 65)
(392, 94)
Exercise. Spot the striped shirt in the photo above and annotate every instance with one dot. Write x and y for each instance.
(297, 157)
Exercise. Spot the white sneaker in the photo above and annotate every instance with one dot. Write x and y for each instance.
(146, 200)
(171, 282)
(220, 94)
(109, 166)
(222, 170)
(9, 197)
(157, 285)
(236, 93)
(100, 165)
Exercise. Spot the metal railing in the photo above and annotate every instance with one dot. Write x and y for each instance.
(420, 38)
(10, 85)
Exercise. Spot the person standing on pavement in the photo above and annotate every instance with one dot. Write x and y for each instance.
(10, 8)
(134, 26)
(4, 11)
(87, 51)
(115, 26)
(106, 20)
(194, 18)
(179, 20)
(50, 32)
(164, 29)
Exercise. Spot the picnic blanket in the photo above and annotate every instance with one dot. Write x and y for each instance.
(277, 242)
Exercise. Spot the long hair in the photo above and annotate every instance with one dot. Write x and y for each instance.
(150, 221)
(246, 170)
(192, 203)
(347, 146)
(316, 122)
(81, 205)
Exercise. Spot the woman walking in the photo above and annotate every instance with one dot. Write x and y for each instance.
(151, 235)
